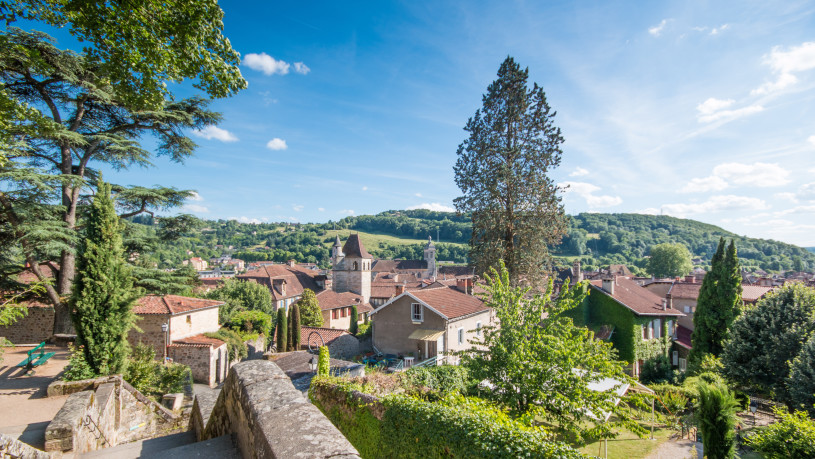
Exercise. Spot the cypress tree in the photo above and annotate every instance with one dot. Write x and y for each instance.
(281, 330)
(103, 292)
(701, 337)
(354, 319)
(295, 326)
(716, 411)
(289, 338)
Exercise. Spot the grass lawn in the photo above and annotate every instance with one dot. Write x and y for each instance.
(372, 240)
(628, 446)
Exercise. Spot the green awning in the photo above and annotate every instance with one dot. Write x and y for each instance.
(426, 335)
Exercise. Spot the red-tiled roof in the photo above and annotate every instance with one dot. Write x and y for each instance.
(685, 290)
(399, 265)
(330, 299)
(751, 293)
(353, 248)
(636, 298)
(295, 277)
(328, 335)
(172, 304)
(197, 341)
(450, 302)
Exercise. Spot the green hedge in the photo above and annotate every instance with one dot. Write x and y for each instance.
(453, 427)
(444, 379)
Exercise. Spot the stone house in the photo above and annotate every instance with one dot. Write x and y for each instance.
(175, 325)
(640, 324)
(197, 263)
(430, 322)
(341, 344)
(285, 282)
(337, 308)
(38, 323)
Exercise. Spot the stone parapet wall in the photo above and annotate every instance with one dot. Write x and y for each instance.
(344, 347)
(12, 448)
(37, 326)
(270, 418)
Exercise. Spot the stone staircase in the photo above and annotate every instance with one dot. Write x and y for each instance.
(176, 446)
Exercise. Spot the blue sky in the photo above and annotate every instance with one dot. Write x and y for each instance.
(695, 109)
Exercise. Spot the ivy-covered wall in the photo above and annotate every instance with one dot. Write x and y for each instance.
(600, 309)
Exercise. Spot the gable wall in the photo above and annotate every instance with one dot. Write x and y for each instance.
(393, 324)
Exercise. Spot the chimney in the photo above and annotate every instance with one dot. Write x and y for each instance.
(400, 289)
(291, 262)
(465, 285)
(669, 300)
(577, 274)
(608, 285)
(664, 304)
(690, 279)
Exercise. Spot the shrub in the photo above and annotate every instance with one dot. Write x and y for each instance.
(235, 347)
(251, 322)
(364, 330)
(444, 379)
(324, 363)
(792, 436)
(716, 414)
(656, 370)
(78, 368)
(282, 330)
(153, 378)
(709, 363)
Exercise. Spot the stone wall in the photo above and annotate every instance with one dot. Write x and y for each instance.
(13, 448)
(257, 348)
(37, 326)
(151, 334)
(119, 414)
(207, 364)
(344, 347)
(271, 419)
(194, 323)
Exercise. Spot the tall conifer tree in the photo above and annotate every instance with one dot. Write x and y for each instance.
(502, 171)
(282, 330)
(295, 326)
(718, 303)
(103, 292)
(290, 327)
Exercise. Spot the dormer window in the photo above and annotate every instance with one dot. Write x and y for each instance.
(417, 313)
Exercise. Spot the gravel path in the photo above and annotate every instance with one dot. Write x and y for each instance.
(673, 449)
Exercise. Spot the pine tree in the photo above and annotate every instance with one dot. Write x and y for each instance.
(354, 320)
(103, 292)
(295, 326)
(502, 172)
(716, 411)
(718, 303)
(282, 328)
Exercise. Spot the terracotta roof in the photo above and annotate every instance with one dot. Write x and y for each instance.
(685, 290)
(450, 302)
(683, 335)
(751, 293)
(619, 269)
(399, 265)
(353, 248)
(383, 290)
(172, 304)
(638, 299)
(197, 341)
(330, 299)
(328, 335)
(295, 277)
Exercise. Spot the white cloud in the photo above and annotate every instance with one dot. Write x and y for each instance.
(785, 63)
(265, 63)
(297, 207)
(347, 212)
(657, 29)
(214, 132)
(716, 31)
(786, 196)
(244, 219)
(434, 206)
(807, 192)
(321, 209)
(579, 172)
(587, 190)
(195, 208)
(365, 188)
(716, 203)
(702, 185)
(708, 115)
(301, 68)
(195, 196)
(811, 139)
(276, 144)
(712, 105)
(756, 174)
(418, 195)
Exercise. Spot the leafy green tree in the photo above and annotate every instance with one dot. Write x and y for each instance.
(295, 327)
(669, 260)
(792, 435)
(310, 313)
(766, 339)
(324, 362)
(79, 120)
(718, 304)
(144, 44)
(241, 296)
(354, 320)
(801, 382)
(540, 364)
(103, 295)
(716, 413)
(282, 330)
(502, 172)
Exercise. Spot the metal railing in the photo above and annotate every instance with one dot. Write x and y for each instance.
(427, 363)
(87, 422)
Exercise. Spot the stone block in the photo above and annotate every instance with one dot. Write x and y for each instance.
(172, 401)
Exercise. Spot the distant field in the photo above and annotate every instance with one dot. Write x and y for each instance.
(373, 239)
(811, 249)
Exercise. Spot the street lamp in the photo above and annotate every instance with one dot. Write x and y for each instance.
(165, 328)
(313, 363)
(753, 408)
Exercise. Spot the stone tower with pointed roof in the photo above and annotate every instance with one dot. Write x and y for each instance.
(430, 259)
(352, 268)
(336, 252)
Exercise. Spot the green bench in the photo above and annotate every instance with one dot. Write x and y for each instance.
(36, 357)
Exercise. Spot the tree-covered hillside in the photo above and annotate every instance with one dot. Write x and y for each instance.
(596, 239)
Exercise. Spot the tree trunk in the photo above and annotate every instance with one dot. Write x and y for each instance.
(67, 262)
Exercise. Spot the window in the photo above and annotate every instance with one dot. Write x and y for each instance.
(687, 309)
(356, 266)
(683, 364)
(645, 331)
(345, 312)
(335, 313)
(460, 336)
(189, 319)
(478, 329)
(676, 358)
(417, 314)
(657, 327)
